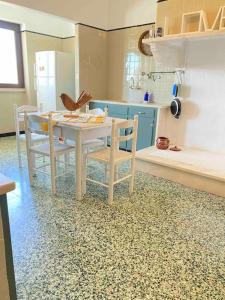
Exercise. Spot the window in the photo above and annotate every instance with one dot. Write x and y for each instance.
(11, 60)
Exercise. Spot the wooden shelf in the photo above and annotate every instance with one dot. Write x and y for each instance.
(181, 37)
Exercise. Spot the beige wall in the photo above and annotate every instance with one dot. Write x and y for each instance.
(68, 45)
(126, 63)
(91, 72)
(31, 43)
(106, 67)
(7, 99)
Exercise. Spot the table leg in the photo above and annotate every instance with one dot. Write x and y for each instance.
(78, 166)
(8, 248)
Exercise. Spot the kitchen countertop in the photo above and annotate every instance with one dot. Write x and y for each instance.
(6, 185)
(153, 105)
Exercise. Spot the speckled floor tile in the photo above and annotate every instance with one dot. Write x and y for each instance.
(164, 242)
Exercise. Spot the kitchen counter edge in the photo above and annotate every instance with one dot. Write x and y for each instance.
(153, 105)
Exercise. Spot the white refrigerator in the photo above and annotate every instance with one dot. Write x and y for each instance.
(55, 74)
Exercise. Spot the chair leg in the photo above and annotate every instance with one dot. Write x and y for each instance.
(33, 158)
(131, 187)
(106, 173)
(18, 150)
(53, 175)
(66, 160)
(116, 172)
(111, 184)
(30, 166)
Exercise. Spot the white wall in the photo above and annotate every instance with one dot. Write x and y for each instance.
(91, 12)
(202, 123)
(36, 21)
(125, 13)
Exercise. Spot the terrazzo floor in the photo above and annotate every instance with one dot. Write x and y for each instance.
(164, 242)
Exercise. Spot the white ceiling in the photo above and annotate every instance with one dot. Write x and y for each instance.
(30, 20)
(106, 14)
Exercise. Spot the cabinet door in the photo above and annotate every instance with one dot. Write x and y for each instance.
(116, 109)
(146, 127)
(121, 112)
(123, 145)
(93, 105)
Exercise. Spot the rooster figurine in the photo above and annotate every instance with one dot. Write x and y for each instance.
(71, 105)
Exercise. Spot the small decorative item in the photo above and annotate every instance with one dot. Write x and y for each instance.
(194, 22)
(146, 97)
(144, 48)
(71, 105)
(159, 32)
(219, 23)
(162, 143)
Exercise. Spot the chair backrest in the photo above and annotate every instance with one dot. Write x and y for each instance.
(130, 127)
(36, 123)
(19, 113)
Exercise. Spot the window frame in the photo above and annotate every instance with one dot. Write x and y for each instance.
(19, 54)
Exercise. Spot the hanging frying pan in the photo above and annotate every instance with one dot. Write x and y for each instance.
(175, 107)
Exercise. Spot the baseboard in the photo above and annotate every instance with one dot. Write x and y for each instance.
(9, 134)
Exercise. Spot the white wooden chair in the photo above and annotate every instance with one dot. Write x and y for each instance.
(19, 113)
(52, 149)
(95, 142)
(112, 156)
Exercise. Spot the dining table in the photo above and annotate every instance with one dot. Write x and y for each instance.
(80, 132)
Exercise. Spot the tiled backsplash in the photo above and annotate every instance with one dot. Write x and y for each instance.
(127, 63)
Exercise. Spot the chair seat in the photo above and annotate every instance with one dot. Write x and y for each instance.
(39, 137)
(87, 143)
(93, 142)
(45, 148)
(103, 155)
(35, 137)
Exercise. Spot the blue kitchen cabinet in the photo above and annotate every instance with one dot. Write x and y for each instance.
(147, 117)
(93, 105)
(146, 126)
(121, 112)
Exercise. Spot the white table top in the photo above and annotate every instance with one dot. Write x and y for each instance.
(81, 125)
(87, 126)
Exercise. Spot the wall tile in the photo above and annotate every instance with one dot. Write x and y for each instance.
(125, 66)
